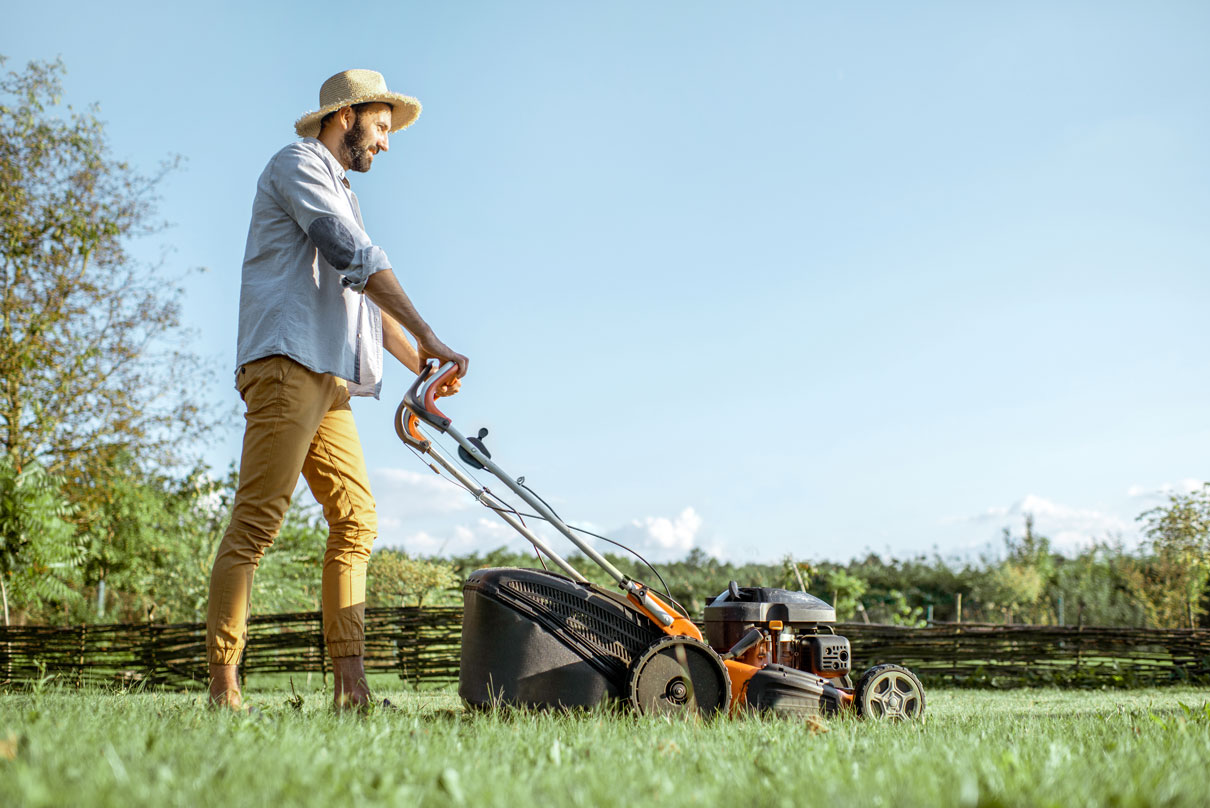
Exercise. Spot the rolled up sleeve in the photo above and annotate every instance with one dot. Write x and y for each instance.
(304, 187)
(366, 261)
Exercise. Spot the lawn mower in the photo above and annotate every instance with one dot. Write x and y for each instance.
(541, 639)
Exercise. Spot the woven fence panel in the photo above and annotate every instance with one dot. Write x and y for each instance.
(423, 645)
(418, 644)
(994, 655)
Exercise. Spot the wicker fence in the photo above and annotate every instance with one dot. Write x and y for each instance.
(419, 644)
(981, 655)
(422, 645)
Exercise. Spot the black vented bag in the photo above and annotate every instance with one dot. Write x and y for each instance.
(537, 639)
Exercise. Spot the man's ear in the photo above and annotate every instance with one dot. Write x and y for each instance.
(347, 116)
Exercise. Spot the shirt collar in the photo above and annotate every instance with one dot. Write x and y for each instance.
(330, 158)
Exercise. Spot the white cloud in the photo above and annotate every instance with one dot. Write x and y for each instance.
(1068, 527)
(1185, 486)
(660, 538)
(454, 539)
(403, 495)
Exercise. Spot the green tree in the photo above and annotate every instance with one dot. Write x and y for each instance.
(197, 509)
(397, 579)
(1094, 589)
(39, 550)
(150, 540)
(1171, 583)
(93, 358)
(1018, 587)
(843, 589)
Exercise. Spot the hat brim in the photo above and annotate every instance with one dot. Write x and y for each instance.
(404, 112)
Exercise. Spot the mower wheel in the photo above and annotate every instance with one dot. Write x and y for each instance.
(679, 676)
(889, 691)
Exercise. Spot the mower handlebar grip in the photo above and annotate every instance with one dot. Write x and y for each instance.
(405, 428)
(421, 397)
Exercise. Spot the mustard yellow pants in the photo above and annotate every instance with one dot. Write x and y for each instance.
(297, 421)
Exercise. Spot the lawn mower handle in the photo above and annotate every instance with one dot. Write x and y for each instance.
(420, 400)
(421, 397)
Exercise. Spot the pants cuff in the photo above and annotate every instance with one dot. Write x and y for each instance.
(346, 648)
(223, 656)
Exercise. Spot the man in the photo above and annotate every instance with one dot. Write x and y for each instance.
(318, 303)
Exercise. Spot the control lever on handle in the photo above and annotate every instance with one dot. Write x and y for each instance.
(406, 424)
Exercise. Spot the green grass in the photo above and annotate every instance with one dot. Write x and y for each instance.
(1025, 747)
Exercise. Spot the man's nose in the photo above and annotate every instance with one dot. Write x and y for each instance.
(383, 143)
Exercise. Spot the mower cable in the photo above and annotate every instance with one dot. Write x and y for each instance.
(510, 509)
(520, 517)
(630, 550)
(478, 498)
(602, 538)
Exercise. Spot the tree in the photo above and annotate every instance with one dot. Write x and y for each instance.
(150, 541)
(396, 579)
(39, 551)
(1093, 587)
(1019, 585)
(93, 359)
(1171, 583)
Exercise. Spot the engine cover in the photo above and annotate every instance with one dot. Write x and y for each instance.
(825, 655)
(733, 612)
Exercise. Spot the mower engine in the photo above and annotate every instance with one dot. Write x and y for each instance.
(780, 649)
(794, 630)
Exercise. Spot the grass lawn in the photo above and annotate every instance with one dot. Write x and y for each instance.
(1023, 747)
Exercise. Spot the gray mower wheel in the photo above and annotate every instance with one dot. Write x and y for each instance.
(889, 692)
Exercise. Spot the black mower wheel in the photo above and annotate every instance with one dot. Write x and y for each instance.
(889, 692)
(679, 676)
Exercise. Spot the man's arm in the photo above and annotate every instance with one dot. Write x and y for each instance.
(384, 289)
(399, 346)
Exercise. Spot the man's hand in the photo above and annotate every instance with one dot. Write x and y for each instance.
(433, 348)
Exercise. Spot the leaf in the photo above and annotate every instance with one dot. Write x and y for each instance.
(9, 746)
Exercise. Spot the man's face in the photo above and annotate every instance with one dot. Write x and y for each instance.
(366, 137)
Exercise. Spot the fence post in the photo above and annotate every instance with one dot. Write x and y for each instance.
(80, 660)
(149, 656)
(400, 646)
(415, 647)
(323, 652)
(958, 617)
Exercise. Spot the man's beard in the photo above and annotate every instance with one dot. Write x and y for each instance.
(357, 152)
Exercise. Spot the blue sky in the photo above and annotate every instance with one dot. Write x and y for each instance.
(759, 278)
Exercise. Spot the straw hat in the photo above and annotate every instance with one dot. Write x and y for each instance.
(358, 87)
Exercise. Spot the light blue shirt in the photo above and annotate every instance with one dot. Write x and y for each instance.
(305, 264)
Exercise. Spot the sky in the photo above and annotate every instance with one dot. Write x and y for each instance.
(800, 278)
